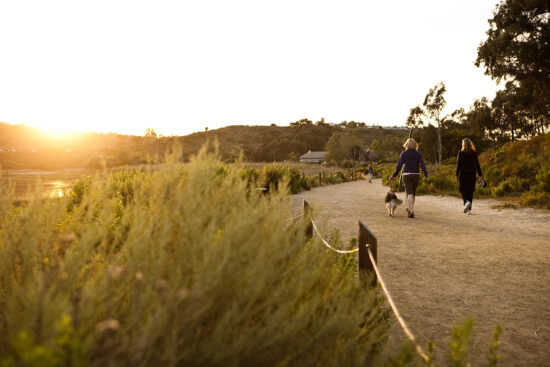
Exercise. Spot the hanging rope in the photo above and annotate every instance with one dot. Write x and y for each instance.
(296, 217)
(328, 244)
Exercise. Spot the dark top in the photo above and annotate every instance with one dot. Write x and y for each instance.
(467, 164)
(371, 170)
(412, 159)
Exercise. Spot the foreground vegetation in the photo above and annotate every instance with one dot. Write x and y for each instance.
(183, 265)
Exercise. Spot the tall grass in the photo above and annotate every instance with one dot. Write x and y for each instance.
(183, 265)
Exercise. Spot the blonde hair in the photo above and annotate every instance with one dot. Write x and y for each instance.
(467, 145)
(410, 143)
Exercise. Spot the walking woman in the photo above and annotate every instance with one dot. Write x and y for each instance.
(371, 172)
(412, 159)
(467, 164)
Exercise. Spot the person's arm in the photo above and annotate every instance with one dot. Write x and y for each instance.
(457, 165)
(398, 166)
(478, 167)
(423, 166)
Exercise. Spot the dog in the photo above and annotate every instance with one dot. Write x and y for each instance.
(392, 202)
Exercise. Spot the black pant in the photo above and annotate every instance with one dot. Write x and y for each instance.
(467, 187)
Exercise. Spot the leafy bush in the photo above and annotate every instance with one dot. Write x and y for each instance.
(543, 177)
(535, 198)
(79, 188)
(250, 175)
(183, 265)
(511, 185)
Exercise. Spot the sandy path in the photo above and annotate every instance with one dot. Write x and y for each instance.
(443, 266)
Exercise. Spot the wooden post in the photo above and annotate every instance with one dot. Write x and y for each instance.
(320, 180)
(307, 213)
(366, 270)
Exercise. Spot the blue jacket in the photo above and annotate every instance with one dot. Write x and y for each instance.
(412, 159)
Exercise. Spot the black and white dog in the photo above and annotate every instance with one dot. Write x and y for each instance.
(392, 202)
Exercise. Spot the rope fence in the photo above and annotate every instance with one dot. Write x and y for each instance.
(325, 242)
(400, 319)
(296, 217)
(367, 249)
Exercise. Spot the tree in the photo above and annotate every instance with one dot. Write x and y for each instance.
(509, 112)
(302, 122)
(479, 119)
(415, 118)
(374, 150)
(150, 133)
(434, 103)
(517, 49)
(342, 146)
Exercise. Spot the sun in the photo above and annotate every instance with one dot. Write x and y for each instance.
(53, 134)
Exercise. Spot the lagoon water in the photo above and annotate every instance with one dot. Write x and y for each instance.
(49, 183)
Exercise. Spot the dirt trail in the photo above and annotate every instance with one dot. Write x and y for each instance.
(443, 266)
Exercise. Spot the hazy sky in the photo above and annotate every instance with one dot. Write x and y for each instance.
(179, 66)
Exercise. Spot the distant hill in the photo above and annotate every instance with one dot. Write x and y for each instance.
(278, 143)
(24, 147)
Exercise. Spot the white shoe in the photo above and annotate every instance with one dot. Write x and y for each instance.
(469, 212)
(467, 206)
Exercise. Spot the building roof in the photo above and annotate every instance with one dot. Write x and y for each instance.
(314, 155)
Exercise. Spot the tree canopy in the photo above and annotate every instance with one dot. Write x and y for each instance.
(517, 50)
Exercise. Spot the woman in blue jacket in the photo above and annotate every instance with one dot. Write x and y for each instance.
(412, 159)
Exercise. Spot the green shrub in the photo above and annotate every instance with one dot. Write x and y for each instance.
(511, 185)
(493, 355)
(535, 198)
(78, 189)
(250, 175)
(543, 177)
(459, 346)
(276, 175)
(441, 183)
(182, 265)
(65, 350)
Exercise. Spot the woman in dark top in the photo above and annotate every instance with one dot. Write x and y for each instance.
(412, 159)
(371, 172)
(467, 165)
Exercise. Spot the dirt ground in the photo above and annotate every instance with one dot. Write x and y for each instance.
(444, 266)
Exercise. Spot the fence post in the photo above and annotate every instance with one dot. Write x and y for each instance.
(320, 180)
(307, 214)
(366, 270)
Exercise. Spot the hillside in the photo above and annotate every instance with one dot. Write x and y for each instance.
(23, 147)
(520, 169)
(278, 143)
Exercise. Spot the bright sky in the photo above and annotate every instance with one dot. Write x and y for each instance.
(181, 66)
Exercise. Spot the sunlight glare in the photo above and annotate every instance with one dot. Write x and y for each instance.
(57, 189)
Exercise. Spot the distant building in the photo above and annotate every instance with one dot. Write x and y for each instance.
(313, 157)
